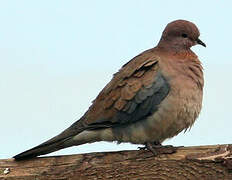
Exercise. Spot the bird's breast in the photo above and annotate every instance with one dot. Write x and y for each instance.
(177, 112)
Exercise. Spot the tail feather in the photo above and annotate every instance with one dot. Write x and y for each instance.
(42, 149)
(63, 140)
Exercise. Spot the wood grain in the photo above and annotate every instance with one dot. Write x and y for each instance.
(200, 162)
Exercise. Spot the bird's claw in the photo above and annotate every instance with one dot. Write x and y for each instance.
(157, 148)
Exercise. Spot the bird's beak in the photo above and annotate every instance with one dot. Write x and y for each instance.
(198, 41)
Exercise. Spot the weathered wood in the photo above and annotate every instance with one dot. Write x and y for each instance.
(200, 162)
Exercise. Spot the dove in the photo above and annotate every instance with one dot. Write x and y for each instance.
(153, 97)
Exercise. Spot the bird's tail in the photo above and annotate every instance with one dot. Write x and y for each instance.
(63, 140)
(41, 150)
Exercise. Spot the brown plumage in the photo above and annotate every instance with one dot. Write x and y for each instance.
(153, 97)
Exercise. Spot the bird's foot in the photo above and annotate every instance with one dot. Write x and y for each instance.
(154, 144)
(156, 148)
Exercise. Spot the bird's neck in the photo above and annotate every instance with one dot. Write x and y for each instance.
(177, 52)
(175, 46)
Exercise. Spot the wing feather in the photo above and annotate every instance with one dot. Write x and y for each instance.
(133, 93)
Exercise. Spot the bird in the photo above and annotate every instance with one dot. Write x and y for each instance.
(153, 97)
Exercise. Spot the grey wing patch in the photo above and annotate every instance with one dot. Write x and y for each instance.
(145, 102)
(130, 107)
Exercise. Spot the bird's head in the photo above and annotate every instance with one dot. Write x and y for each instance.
(180, 34)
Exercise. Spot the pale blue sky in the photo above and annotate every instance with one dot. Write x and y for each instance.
(55, 57)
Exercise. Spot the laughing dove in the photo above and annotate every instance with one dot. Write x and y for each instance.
(153, 97)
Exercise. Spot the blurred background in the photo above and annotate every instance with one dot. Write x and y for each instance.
(56, 56)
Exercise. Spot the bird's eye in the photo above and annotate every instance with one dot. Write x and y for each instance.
(184, 35)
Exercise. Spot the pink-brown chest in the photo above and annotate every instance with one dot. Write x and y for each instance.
(184, 100)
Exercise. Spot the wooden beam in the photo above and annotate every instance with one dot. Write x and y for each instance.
(200, 162)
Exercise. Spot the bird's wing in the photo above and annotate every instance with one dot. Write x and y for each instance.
(133, 94)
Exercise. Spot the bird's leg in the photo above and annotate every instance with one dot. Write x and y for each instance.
(151, 146)
(156, 148)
